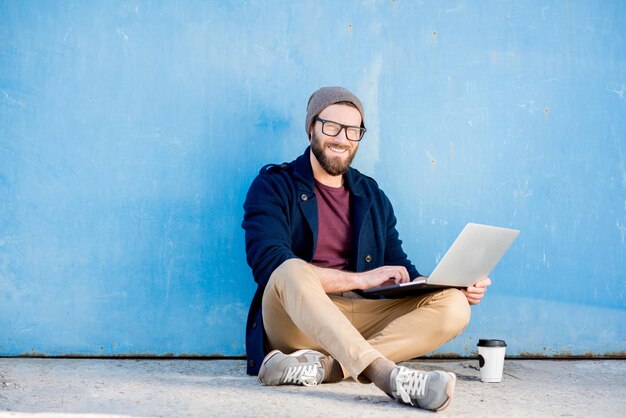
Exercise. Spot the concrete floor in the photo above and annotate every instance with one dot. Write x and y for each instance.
(220, 388)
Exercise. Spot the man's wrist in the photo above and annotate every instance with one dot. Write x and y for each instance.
(353, 280)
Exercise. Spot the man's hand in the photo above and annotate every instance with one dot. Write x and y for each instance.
(333, 280)
(380, 275)
(474, 294)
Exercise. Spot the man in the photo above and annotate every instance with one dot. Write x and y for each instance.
(317, 233)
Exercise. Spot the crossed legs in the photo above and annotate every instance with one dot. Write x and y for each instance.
(298, 314)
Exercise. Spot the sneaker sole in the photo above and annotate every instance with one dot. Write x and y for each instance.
(449, 392)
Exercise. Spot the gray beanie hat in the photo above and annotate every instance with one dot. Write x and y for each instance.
(327, 96)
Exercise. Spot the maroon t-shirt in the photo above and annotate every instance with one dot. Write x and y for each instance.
(334, 233)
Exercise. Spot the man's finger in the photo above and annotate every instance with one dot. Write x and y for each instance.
(485, 282)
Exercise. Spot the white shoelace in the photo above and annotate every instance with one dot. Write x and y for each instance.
(305, 374)
(410, 384)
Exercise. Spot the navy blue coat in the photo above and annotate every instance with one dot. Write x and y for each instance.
(280, 222)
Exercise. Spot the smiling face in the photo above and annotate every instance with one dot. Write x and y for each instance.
(332, 155)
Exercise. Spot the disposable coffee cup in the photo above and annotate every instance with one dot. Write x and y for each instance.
(491, 360)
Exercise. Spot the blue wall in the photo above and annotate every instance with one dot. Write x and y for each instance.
(130, 132)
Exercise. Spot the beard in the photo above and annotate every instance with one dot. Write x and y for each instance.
(334, 166)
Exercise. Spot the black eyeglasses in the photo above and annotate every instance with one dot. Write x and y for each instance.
(330, 128)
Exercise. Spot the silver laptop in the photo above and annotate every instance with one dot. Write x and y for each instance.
(473, 255)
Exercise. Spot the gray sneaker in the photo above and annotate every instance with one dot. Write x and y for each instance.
(426, 390)
(300, 368)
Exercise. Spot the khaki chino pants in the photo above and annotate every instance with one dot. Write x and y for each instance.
(298, 314)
